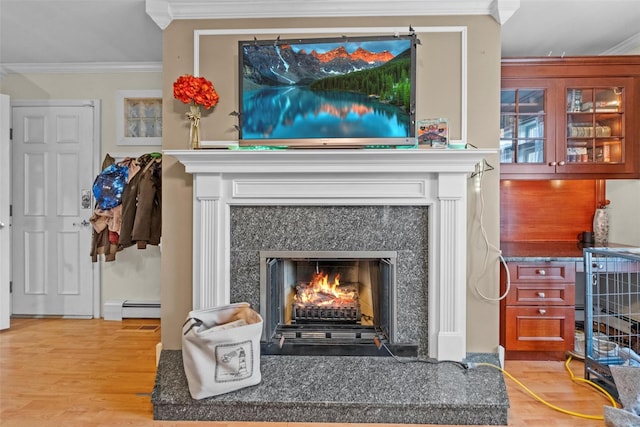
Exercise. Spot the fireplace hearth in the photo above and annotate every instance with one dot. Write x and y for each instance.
(330, 389)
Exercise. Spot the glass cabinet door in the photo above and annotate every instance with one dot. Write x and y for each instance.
(570, 118)
(522, 126)
(595, 125)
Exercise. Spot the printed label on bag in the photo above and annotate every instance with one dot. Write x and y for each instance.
(234, 362)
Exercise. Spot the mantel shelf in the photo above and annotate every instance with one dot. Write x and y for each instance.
(330, 160)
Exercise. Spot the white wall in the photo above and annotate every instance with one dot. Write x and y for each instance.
(135, 274)
(624, 211)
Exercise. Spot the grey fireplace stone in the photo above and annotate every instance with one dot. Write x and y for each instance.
(336, 389)
(338, 228)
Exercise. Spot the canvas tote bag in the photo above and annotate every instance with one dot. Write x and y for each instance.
(221, 349)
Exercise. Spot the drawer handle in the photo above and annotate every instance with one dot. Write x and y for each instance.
(541, 272)
(541, 294)
(542, 311)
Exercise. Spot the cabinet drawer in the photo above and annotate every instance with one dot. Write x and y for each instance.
(544, 271)
(541, 294)
(543, 328)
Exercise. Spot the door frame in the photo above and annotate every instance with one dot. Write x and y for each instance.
(96, 162)
(5, 201)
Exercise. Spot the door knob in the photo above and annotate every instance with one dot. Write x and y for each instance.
(1, 224)
(83, 223)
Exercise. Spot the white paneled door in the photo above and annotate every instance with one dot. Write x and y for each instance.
(52, 174)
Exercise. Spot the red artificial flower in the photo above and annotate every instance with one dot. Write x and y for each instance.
(197, 90)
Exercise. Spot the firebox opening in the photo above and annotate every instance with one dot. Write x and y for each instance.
(334, 303)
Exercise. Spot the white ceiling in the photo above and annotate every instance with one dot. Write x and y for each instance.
(77, 31)
(572, 28)
(119, 33)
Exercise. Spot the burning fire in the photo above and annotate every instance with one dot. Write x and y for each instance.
(319, 292)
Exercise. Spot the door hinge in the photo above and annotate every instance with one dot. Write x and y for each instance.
(10, 287)
(10, 134)
(10, 210)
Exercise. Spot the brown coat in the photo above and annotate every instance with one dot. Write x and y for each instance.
(142, 206)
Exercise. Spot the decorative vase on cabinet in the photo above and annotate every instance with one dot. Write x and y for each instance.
(601, 226)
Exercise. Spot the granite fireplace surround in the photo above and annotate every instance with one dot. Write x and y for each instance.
(409, 201)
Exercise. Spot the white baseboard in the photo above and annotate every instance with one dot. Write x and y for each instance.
(130, 309)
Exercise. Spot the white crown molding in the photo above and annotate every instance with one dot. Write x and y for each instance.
(502, 10)
(79, 67)
(626, 47)
(163, 12)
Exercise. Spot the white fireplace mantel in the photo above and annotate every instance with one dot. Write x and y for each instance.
(434, 178)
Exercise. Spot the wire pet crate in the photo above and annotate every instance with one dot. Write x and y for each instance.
(612, 312)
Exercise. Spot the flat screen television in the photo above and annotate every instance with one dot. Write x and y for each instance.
(328, 92)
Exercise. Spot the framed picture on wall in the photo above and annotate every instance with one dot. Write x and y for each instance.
(139, 117)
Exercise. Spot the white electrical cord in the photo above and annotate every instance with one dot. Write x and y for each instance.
(489, 246)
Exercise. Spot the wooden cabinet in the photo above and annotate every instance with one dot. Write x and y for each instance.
(572, 118)
(537, 317)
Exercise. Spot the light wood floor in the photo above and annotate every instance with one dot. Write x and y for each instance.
(62, 372)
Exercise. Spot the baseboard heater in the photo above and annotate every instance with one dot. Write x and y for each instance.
(131, 309)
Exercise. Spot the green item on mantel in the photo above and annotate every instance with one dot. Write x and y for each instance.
(257, 148)
(454, 146)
